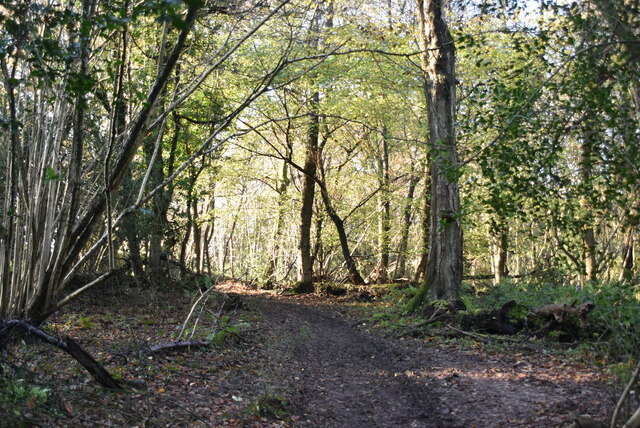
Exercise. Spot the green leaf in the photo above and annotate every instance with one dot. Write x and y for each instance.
(51, 174)
(218, 338)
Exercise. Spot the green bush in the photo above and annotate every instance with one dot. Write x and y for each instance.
(616, 319)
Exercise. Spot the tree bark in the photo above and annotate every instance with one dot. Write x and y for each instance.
(281, 188)
(324, 11)
(444, 271)
(305, 262)
(588, 234)
(406, 223)
(354, 274)
(421, 268)
(129, 230)
(318, 256)
(626, 272)
(499, 246)
(69, 346)
(384, 209)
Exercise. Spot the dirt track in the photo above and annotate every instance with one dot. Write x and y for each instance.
(321, 365)
(339, 374)
(344, 376)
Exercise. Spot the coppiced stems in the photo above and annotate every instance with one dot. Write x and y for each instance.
(51, 218)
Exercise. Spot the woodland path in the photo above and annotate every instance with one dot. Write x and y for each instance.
(341, 374)
(317, 357)
(344, 376)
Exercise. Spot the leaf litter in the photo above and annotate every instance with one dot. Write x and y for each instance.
(296, 361)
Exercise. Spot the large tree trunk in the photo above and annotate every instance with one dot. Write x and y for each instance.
(129, 227)
(323, 18)
(624, 26)
(444, 272)
(153, 151)
(305, 262)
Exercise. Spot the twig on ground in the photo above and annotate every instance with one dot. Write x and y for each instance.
(178, 344)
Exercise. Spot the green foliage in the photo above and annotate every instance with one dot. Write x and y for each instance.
(16, 398)
(51, 174)
(613, 327)
(617, 319)
(527, 294)
(270, 405)
(225, 328)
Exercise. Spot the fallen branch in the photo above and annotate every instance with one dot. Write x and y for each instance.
(431, 320)
(623, 397)
(559, 311)
(69, 346)
(178, 344)
(580, 421)
(634, 421)
(482, 338)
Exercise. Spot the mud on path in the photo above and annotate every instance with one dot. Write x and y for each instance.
(342, 375)
(339, 374)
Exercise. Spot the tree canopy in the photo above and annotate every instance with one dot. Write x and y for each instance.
(146, 134)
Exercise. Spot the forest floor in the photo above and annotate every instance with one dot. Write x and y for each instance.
(294, 361)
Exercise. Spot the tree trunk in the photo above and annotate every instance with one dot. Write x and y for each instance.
(421, 268)
(384, 209)
(401, 268)
(129, 229)
(444, 271)
(626, 273)
(354, 274)
(305, 262)
(130, 224)
(159, 205)
(499, 246)
(588, 234)
(317, 255)
(281, 188)
(153, 151)
(324, 11)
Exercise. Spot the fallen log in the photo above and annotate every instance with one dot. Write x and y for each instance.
(560, 311)
(69, 346)
(494, 322)
(178, 344)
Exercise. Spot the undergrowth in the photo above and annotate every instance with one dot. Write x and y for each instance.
(612, 332)
(17, 399)
(611, 336)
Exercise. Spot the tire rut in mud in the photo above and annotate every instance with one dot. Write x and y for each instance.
(344, 376)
